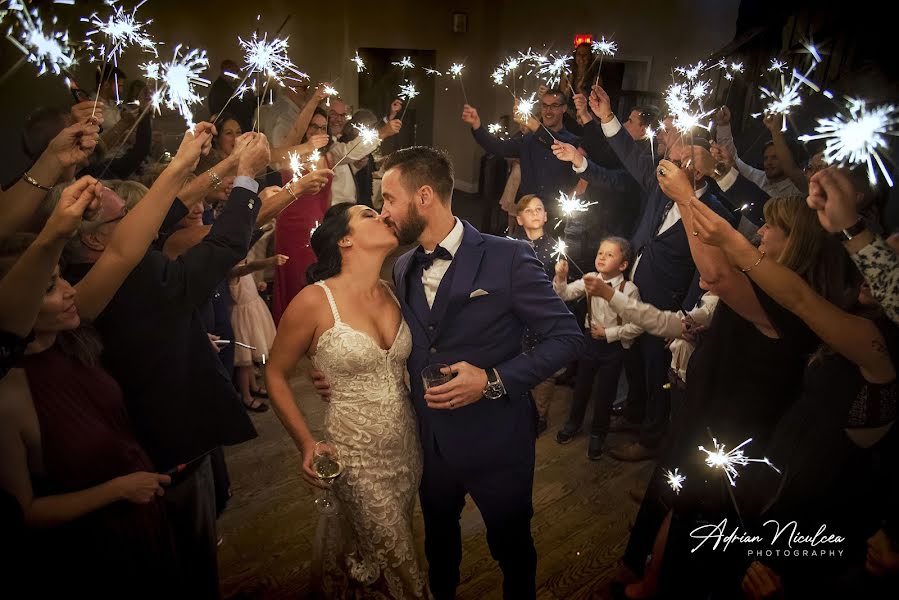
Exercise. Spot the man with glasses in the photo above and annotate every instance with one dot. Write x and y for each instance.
(541, 173)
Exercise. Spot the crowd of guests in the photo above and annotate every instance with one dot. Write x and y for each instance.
(134, 329)
(735, 302)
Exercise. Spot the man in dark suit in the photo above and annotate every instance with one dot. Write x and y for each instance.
(664, 270)
(178, 393)
(468, 298)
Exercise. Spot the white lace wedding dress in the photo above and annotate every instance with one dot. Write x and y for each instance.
(367, 549)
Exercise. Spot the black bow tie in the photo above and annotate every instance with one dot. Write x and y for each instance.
(425, 260)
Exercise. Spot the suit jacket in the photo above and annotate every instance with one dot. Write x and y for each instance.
(744, 192)
(486, 331)
(666, 270)
(177, 391)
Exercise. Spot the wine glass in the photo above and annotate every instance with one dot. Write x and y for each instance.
(432, 376)
(327, 467)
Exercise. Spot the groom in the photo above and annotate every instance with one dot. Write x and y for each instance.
(467, 299)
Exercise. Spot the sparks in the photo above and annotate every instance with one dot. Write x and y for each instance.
(119, 31)
(604, 46)
(495, 128)
(433, 72)
(314, 227)
(313, 159)
(554, 68)
(405, 63)
(782, 101)
(728, 461)
(456, 70)
(367, 135)
(572, 204)
(525, 108)
(269, 58)
(329, 90)
(179, 78)
(560, 250)
(408, 91)
(777, 65)
(498, 76)
(858, 136)
(357, 60)
(48, 51)
(736, 67)
(296, 165)
(675, 480)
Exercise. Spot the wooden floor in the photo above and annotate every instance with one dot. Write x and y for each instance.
(581, 522)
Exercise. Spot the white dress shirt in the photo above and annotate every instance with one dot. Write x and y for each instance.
(433, 275)
(343, 188)
(279, 121)
(600, 311)
(774, 189)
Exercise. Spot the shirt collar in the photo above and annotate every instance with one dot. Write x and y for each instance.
(454, 239)
(614, 281)
(702, 190)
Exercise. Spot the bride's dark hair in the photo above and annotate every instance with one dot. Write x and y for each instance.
(335, 225)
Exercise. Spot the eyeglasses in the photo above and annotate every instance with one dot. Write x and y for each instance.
(318, 127)
(555, 106)
(335, 115)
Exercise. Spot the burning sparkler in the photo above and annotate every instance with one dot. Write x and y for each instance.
(675, 480)
(728, 461)
(858, 136)
(405, 63)
(179, 77)
(407, 92)
(49, 51)
(554, 68)
(602, 49)
(367, 135)
(357, 60)
(456, 71)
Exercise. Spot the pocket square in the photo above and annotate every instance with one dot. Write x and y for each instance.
(478, 292)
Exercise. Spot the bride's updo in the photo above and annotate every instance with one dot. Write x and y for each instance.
(325, 243)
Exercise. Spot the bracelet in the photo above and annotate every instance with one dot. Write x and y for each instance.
(289, 190)
(27, 177)
(756, 263)
(214, 177)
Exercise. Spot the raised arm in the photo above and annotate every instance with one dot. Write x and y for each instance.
(71, 147)
(309, 184)
(133, 235)
(784, 154)
(856, 338)
(567, 291)
(296, 333)
(251, 266)
(639, 164)
(291, 136)
(722, 279)
(613, 180)
(489, 142)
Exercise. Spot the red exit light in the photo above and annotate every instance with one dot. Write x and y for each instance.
(582, 38)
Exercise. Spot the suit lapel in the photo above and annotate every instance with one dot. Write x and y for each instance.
(466, 264)
(404, 264)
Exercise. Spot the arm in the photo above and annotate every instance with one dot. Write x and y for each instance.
(613, 180)
(639, 164)
(569, 291)
(251, 266)
(135, 233)
(856, 338)
(489, 142)
(292, 135)
(547, 317)
(296, 333)
(310, 183)
(21, 201)
(784, 154)
(879, 265)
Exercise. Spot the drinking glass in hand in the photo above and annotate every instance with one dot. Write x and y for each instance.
(432, 376)
(327, 466)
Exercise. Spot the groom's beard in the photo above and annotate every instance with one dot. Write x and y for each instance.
(408, 233)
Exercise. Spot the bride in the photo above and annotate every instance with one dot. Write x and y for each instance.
(349, 323)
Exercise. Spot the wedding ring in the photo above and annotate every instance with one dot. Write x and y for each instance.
(451, 404)
(661, 171)
(695, 233)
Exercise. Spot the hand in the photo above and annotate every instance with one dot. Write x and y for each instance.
(465, 388)
(212, 342)
(711, 228)
(601, 104)
(674, 182)
(541, 91)
(395, 107)
(256, 156)
(309, 474)
(568, 153)
(470, 116)
(83, 112)
(597, 332)
(690, 329)
(73, 145)
(319, 140)
(580, 106)
(140, 487)
(261, 286)
(278, 260)
(391, 128)
(196, 142)
(702, 160)
(562, 270)
(722, 117)
(81, 197)
(595, 286)
(312, 182)
(723, 156)
(773, 123)
(240, 145)
(760, 583)
(322, 386)
(833, 195)
(319, 94)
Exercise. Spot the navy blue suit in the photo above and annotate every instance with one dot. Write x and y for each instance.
(484, 449)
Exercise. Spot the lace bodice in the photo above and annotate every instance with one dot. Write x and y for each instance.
(368, 551)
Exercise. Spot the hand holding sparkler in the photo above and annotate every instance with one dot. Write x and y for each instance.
(711, 228)
(674, 183)
(390, 128)
(724, 158)
(470, 116)
(78, 202)
(597, 332)
(82, 112)
(568, 153)
(312, 182)
(833, 195)
(773, 122)
(595, 286)
(73, 145)
(255, 157)
(722, 117)
(601, 104)
(196, 142)
(580, 106)
(395, 108)
(562, 270)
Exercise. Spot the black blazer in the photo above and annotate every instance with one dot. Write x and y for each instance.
(179, 395)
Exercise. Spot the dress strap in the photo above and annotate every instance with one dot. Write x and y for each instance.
(392, 295)
(333, 304)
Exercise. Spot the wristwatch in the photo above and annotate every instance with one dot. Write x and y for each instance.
(495, 388)
(852, 231)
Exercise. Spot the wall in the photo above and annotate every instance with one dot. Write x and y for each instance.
(324, 36)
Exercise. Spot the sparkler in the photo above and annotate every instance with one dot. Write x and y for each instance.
(179, 77)
(48, 51)
(602, 49)
(675, 480)
(407, 92)
(495, 128)
(329, 90)
(560, 253)
(357, 60)
(456, 71)
(788, 97)
(728, 461)
(433, 72)
(570, 205)
(524, 109)
(296, 165)
(858, 136)
(405, 63)
(118, 31)
(367, 135)
(554, 68)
